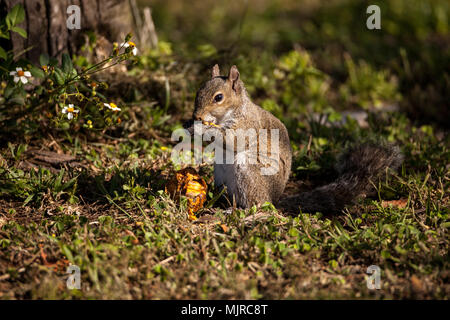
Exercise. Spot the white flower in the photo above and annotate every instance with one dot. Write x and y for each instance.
(21, 75)
(128, 44)
(70, 110)
(112, 106)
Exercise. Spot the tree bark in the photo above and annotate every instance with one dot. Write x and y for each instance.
(47, 31)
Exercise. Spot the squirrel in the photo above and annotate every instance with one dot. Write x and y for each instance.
(222, 103)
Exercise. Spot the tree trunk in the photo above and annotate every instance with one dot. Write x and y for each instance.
(47, 30)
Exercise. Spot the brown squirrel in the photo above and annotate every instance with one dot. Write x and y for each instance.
(223, 103)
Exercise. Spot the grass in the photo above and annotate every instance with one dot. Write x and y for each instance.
(105, 209)
(111, 218)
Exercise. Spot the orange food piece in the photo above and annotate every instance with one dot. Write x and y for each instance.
(187, 182)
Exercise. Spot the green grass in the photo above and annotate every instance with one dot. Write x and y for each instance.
(107, 211)
(131, 241)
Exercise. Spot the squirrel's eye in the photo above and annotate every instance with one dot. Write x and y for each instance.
(218, 97)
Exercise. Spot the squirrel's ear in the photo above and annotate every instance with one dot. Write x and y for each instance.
(234, 78)
(215, 71)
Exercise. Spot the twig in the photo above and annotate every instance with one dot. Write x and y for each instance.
(167, 260)
(149, 28)
(137, 19)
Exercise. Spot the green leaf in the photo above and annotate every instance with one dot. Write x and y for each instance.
(3, 54)
(44, 59)
(67, 252)
(28, 199)
(18, 98)
(20, 31)
(37, 73)
(15, 16)
(69, 184)
(59, 76)
(39, 90)
(293, 232)
(385, 254)
(8, 92)
(333, 263)
(66, 63)
(53, 62)
(8, 23)
(4, 35)
(445, 225)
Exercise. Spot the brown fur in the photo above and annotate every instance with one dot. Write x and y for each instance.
(245, 183)
(358, 167)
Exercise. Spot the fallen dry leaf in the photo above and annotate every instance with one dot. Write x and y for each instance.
(224, 227)
(401, 203)
(43, 255)
(416, 284)
(134, 239)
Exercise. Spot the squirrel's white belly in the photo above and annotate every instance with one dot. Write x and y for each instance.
(226, 175)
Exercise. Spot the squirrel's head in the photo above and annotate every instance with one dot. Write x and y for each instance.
(220, 97)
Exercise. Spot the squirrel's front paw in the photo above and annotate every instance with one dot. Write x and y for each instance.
(210, 124)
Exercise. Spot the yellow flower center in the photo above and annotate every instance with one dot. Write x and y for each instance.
(132, 44)
(70, 109)
(20, 73)
(113, 105)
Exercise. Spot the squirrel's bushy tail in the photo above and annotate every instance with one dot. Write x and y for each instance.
(357, 167)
